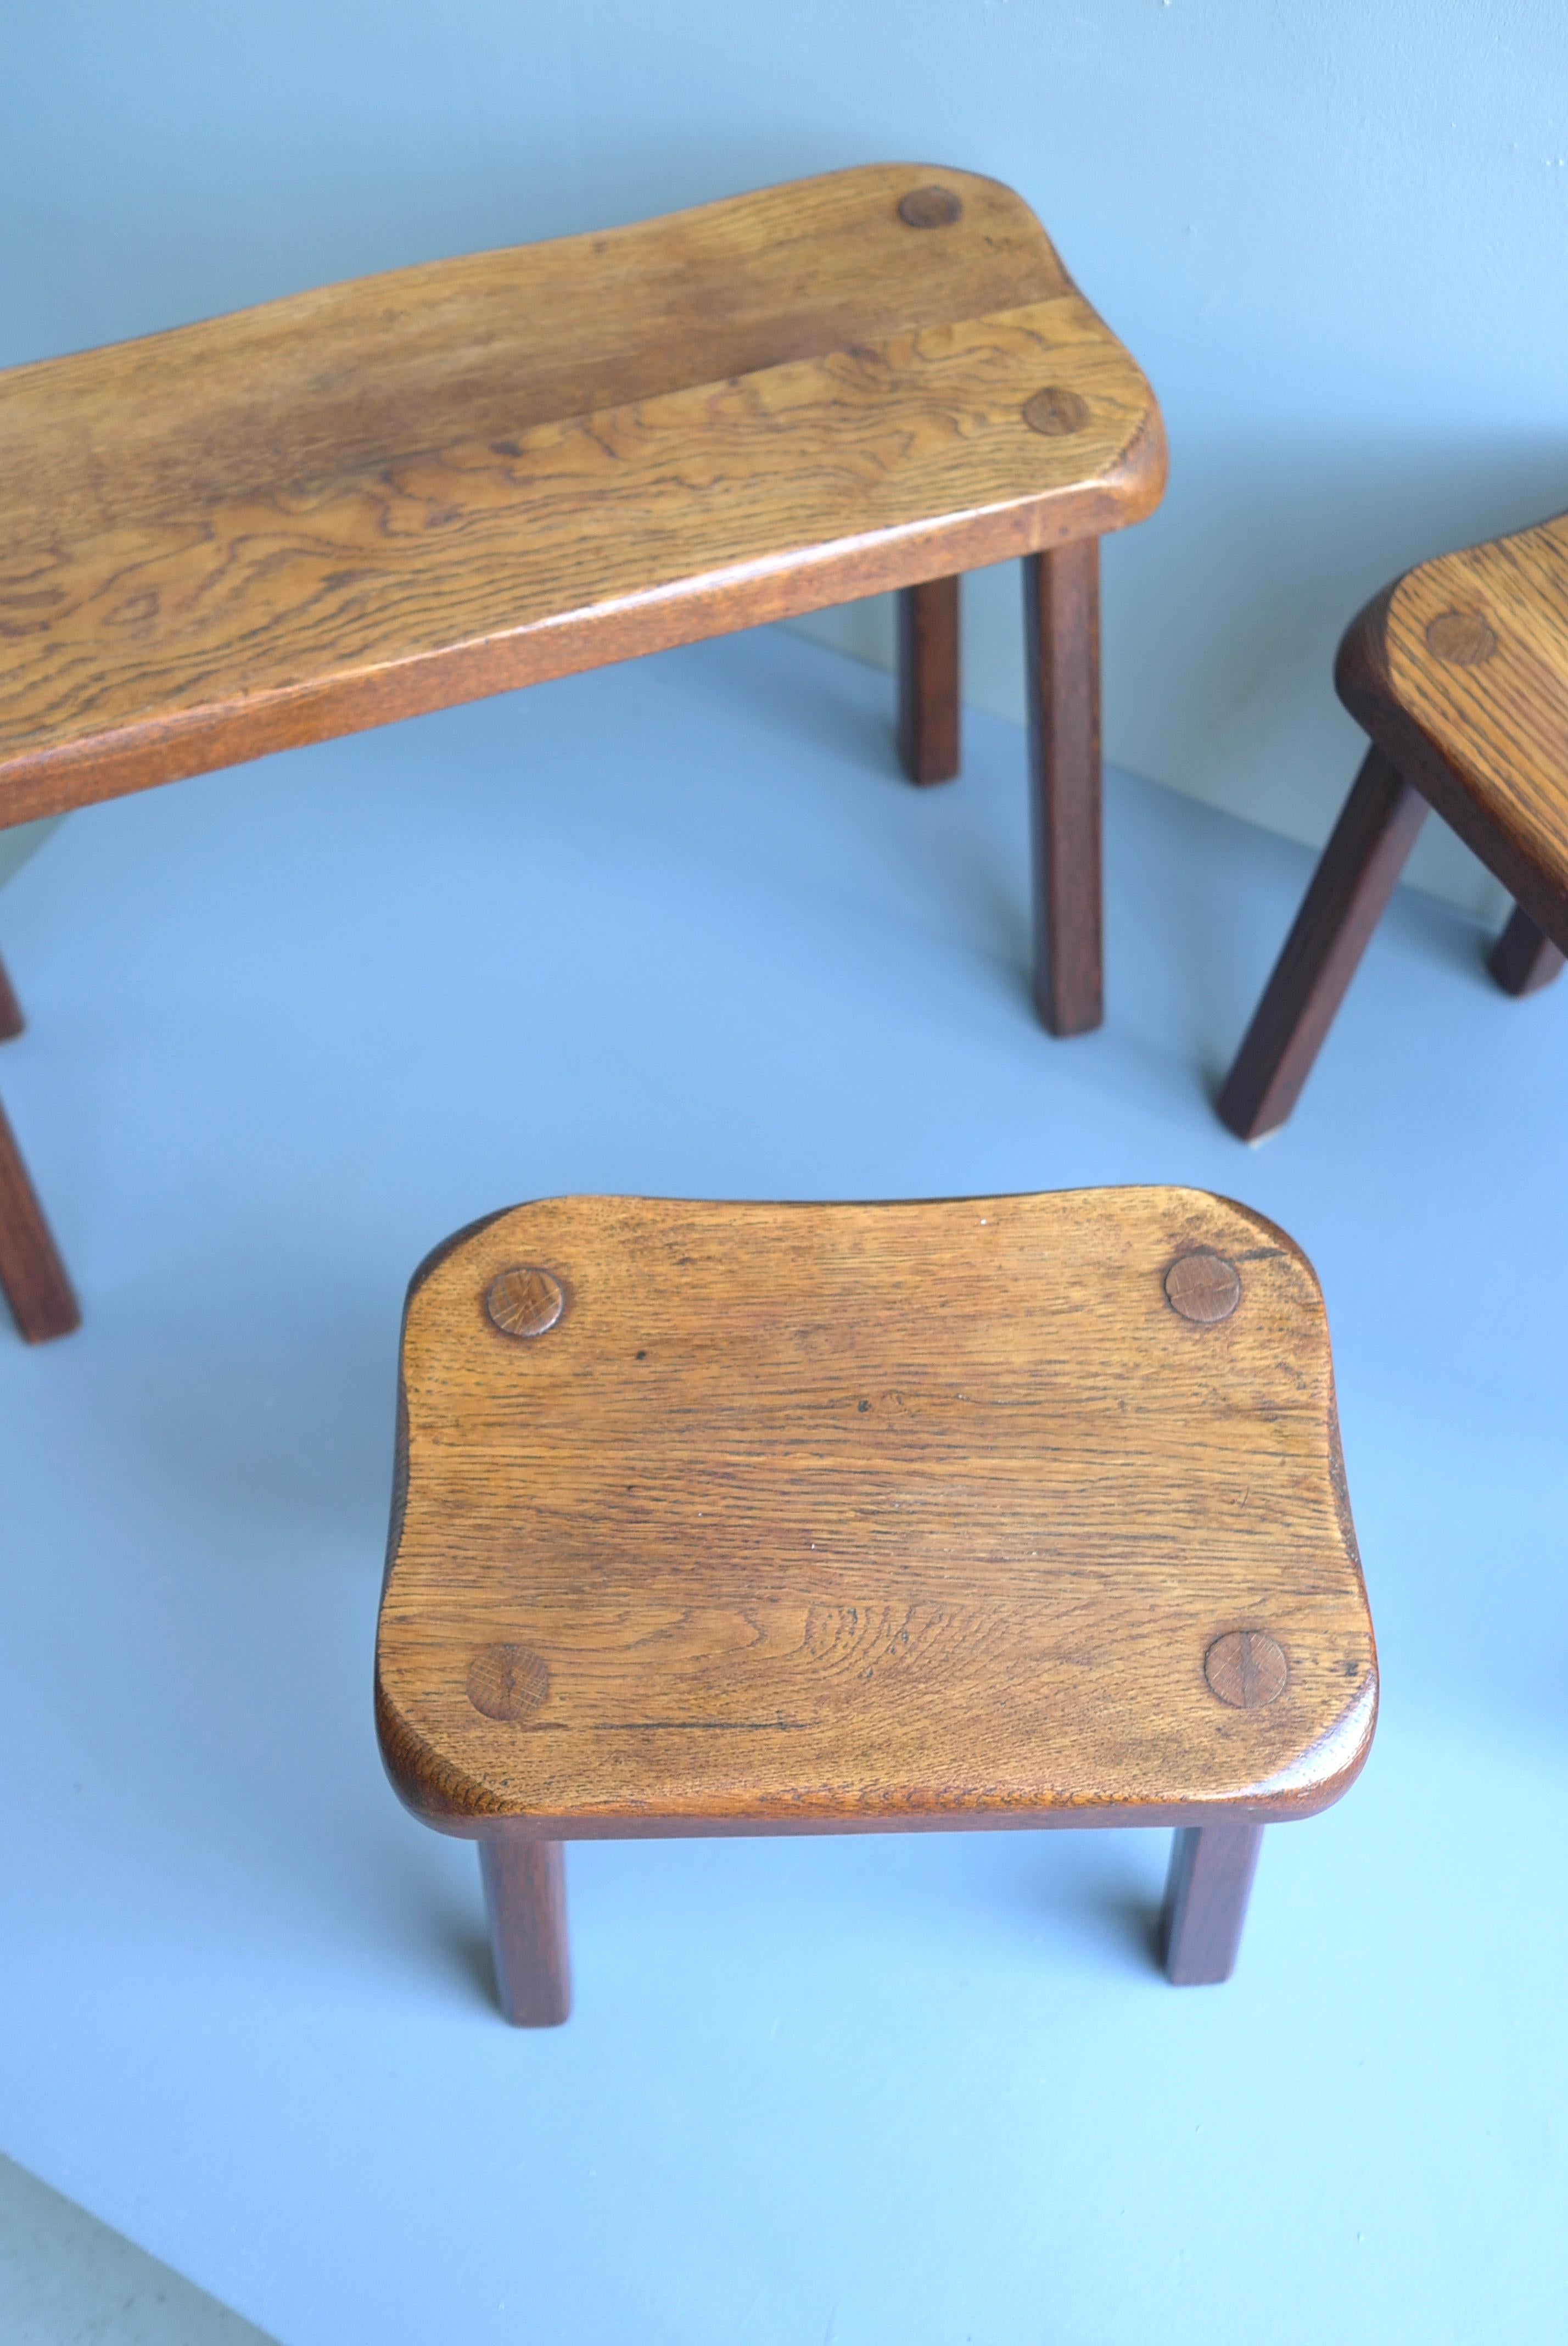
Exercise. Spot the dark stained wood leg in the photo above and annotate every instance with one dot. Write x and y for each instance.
(10, 1008)
(1206, 1901)
(927, 681)
(32, 1275)
(1062, 649)
(1522, 961)
(1359, 872)
(526, 1900)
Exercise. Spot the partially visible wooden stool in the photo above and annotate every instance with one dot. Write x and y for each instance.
(33, 1279)
(750, 1518)
(387, 497)
(1459, 671)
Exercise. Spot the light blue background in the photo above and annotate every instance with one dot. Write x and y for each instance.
(679, 927)
(1333, 233)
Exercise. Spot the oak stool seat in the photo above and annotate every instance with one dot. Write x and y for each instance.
(827, 1518)
(387, 497)
(1459, 672)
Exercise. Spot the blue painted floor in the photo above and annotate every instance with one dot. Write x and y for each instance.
(680, 928)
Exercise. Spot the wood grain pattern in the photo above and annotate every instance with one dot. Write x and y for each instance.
(825, 1517)
(1459, 671)
(1359, 872)
(387, 497)
(929, 675)
(33, 1279)
(1062, 680)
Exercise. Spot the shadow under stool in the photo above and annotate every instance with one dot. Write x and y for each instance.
(1459, 672)
(1022, 1511)
(384, 497)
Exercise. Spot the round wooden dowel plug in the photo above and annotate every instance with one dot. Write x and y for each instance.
(525, 1301)
(1245, 1668)
(1203, 1286)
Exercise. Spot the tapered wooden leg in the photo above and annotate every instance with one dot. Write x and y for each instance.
(1359, 872)
(10, 1008)
(526, 1900)
(32, 1275)
(1522, 961)
(1061, 647)
(1205, 1901)
(927, 681)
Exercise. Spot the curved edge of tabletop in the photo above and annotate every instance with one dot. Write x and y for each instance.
(219, 734)
(443, 1795)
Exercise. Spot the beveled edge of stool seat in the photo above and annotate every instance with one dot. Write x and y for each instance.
(1299, 1570)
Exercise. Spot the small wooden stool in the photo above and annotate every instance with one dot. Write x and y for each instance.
(1459, 671)
(388, 497)
(752, 1518)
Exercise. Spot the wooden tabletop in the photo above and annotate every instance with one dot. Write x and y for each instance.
(1460, 672)
(416, 489)
(793, 1517)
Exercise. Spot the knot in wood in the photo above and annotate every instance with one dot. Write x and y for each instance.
(1245, 1668)
(524, 1300)
(1461, 638)
(1203, 1286)
(1055, 411)
(930, 208)
(507, 1681)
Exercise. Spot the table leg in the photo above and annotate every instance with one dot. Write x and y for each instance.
(10, 1008)
(1205, 1901)
(1523, 960)
(1360, 871)
(929, 679)
(525, 1901)
(32, 1276)
(1062, 646)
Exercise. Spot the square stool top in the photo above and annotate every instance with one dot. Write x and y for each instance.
(791, 1517)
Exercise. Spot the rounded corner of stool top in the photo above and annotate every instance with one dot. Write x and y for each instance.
(1144, 467)
(932, 198)
(1268, 1238)
(428, 1781)
(429, 1264)
(1328, 1765)
(1361, 675)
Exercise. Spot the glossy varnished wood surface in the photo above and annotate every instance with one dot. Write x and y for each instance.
(385, 497)
(823, 1516)
(1460, 673)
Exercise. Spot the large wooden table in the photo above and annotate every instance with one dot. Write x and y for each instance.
(387, 497)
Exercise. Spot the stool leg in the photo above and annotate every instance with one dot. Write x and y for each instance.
(927, 681)
(1360, 871)
(525, 1901)
(10, 1008)
(1522, 961)
(32, 1276)
(1062, 649)
(1205, 1901)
